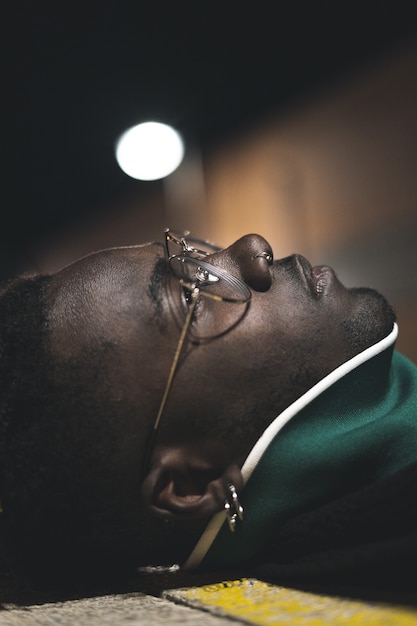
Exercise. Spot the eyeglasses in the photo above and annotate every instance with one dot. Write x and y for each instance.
(198, 278)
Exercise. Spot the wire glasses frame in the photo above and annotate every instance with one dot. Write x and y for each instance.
(198, 278)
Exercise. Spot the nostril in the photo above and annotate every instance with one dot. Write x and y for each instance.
(257, 274)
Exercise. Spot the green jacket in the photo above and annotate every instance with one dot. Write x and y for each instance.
(354, 430)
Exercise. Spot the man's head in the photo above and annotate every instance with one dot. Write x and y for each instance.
(103, 332)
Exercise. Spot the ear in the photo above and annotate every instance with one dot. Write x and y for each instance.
(181, 486)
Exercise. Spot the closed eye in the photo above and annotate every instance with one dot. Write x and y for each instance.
(187, 300)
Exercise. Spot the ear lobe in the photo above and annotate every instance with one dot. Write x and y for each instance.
(178, 489)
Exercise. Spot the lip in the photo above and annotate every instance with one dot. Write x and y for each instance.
(317, 279)
(322, 276)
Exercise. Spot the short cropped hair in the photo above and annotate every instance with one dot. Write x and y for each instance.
(50, 412)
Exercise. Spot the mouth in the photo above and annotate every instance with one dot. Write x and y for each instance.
(318, 279)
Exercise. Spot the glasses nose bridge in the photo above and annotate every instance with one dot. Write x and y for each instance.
(189, 246)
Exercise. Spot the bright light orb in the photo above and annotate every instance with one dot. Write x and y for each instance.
(149, 151)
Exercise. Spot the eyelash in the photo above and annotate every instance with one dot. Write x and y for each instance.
(187, 296)
(187, 299)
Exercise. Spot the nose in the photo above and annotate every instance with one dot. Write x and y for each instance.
(249, 258)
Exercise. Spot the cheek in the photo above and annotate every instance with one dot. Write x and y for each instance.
(292, 335)
(285, 324)
(214, 320)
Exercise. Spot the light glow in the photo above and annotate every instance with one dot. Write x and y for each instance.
(149, 151)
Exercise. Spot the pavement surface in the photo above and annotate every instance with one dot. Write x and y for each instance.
(239, 601)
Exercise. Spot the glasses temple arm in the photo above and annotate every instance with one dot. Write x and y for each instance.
(149, 449)
(194, 296)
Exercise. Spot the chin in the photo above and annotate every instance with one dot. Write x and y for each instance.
(373, 320)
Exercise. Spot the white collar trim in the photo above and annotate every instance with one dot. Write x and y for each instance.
(213, 527)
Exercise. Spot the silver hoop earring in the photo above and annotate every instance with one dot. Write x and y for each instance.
(233, 508)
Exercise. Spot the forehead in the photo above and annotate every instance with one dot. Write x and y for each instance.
(109, 268)
(105, 294)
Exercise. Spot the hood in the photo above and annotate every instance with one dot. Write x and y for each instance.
(352, 428)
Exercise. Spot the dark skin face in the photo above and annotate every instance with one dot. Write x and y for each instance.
(253, 362)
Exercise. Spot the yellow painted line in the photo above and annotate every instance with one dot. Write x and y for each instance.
(256, 602)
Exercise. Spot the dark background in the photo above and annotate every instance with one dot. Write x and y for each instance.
(81, 74)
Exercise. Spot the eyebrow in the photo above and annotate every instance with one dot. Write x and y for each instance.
(159, 272)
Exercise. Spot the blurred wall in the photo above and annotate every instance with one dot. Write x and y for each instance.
(335, 180)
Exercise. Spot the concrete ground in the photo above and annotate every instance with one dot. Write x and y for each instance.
(232, 601)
